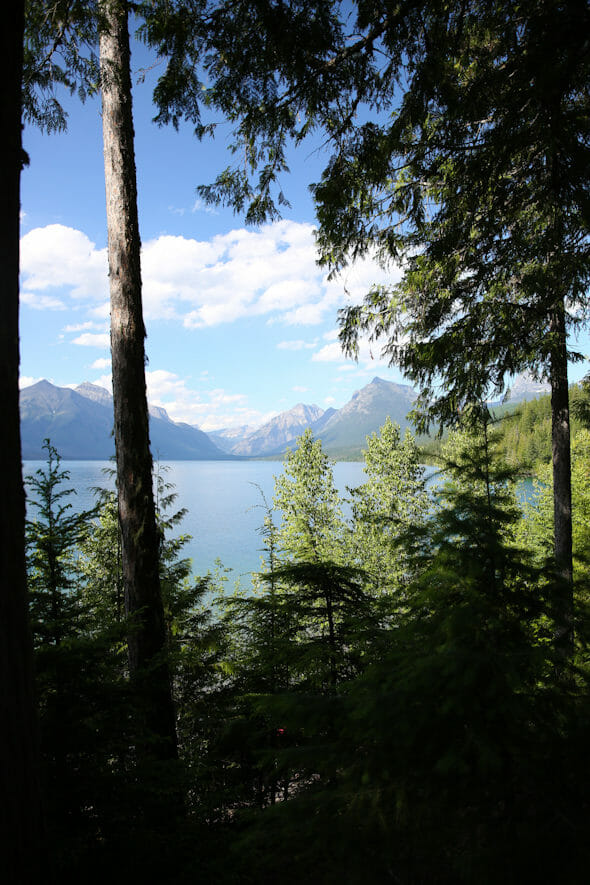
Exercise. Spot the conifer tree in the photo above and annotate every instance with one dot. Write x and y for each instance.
(53, 535)
(391, 500)
(473, 173)
(20, 817)
(312, 527)
(139, 535)
(454, 736)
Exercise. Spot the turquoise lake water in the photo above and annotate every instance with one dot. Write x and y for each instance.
(223, 502)
(222, 499)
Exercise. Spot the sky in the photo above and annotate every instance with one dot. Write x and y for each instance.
(241, 321)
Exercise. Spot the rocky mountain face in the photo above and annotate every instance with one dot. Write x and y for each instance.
(525, 387)
(79, 424)
(343, 431)
(276, 434)
(365, 413)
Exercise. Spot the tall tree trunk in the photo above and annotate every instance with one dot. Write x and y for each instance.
(562, 478)
(139, 536)
(20, 818)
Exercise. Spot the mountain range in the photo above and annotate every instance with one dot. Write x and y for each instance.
(79, 424)
(343, 431)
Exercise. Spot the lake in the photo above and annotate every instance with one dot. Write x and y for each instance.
(223, 502)
(222, 499)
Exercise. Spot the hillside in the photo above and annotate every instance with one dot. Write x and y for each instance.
(79, 424)
(343, 431)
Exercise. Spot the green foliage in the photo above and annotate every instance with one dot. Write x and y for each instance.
(537, 529)
(81, 695)
(391, 500)
(441, 757)
(59, 53)
(52, 536)
(527, 434)
(312, 527)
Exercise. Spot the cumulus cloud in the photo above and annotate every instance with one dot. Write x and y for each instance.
(41, 302)
(28, 381)
(329, 353)
(102, 363)
(209, 409)
(269, 272)
(93, 339)
(58, 256)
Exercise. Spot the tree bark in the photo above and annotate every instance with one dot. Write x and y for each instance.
(139, 535)
(20, 816)
(562, 483)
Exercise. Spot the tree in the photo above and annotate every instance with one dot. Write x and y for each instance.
(487, 164)
(330, 610)
(453, 151)
(20, 820)
(139, 534)
(312, 527)
(52, 536)
(71, 31)
(455, 734)
(391, 500)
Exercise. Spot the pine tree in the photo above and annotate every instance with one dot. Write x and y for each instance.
(312, 527)
(53, 535)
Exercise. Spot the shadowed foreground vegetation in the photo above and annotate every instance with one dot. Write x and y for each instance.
(392, 702)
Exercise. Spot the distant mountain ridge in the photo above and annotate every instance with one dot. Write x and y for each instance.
(525, 387)
(277, 433)
(79, 424)
(343, 431)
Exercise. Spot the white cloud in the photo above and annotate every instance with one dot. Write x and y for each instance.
(297, 345)
(329, 353)
(201, 206)
(105, 381)
(27, 381)
(369, 354)
(298, 389)
(271, 272)
(101, 311)
(93, 339)
(57, 256)
(101, 363)
(81, 327)
(209, 409)
(41, 302)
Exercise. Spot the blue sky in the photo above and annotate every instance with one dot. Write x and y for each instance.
(241, 322)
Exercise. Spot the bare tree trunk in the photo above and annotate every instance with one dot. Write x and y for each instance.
(562, 481)
(139, 536)
(20, 817)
